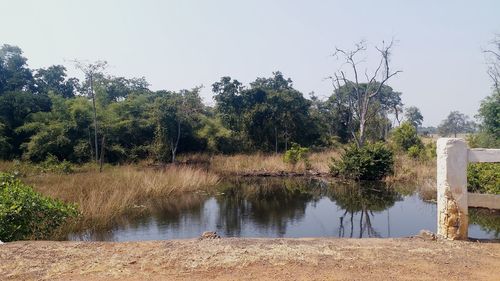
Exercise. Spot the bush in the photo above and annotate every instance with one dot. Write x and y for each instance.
(370, 162)
(296, 154)
(25, 214)
(53, 165)
(406, 137)
(483, 178)
(415, 151)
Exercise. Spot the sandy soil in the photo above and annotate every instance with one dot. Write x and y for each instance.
(252, 259)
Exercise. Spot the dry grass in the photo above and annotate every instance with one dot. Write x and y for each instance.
(103, 197)
(420, 173)
(271, 163)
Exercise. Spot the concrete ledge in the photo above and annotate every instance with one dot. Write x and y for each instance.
(490, 201)
(484, 155)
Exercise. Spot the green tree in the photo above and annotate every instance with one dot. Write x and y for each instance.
(14, 73)
(54, 79)
(414, 116)
(174, 111)
(405, 137)
(455, 123)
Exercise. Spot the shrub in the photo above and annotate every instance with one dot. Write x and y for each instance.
(415, 151)
(370, 162)
(53, 165)
(405, 137)
(296, 154)
(25, 214)
(483, 177)
(430, 150)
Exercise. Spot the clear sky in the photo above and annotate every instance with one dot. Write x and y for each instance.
(184, 43)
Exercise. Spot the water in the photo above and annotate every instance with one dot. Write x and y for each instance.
(271, 207)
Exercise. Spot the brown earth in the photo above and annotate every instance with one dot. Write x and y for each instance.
(252, 259)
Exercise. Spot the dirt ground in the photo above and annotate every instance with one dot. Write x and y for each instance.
(252, 259)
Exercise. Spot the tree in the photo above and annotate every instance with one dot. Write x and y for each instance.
(54, 79)
(90, 70)
(277, 82)
(405, 136)
(360, 107)
(14, 73)
(455, 123)
(345, 97)
(172, 112)
(269, 114)
(493, 61)
(414, 116)
(229, 103)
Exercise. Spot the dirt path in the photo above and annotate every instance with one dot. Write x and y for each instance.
(252, 259)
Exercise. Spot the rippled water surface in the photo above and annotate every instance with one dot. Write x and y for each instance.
(276, 207)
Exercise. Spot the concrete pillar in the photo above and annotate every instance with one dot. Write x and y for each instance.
(452, 204)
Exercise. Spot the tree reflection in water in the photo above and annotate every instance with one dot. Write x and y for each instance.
(364, 198)
(267, 203)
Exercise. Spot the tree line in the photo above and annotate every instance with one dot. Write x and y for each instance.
(44, 112)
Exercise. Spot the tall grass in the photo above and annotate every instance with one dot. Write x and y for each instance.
(417, 172)
(271, 163)
(103, 197)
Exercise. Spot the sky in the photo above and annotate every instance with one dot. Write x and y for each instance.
(180, 44)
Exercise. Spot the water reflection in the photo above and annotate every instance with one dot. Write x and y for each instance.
(362, 200)
(270, 203)
(277, 207)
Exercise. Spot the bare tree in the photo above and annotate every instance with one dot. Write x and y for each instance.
(493, 61)
(360, 104)
(90, 70)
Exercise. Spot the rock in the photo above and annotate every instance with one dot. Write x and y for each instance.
(209, 235)
(427, 235)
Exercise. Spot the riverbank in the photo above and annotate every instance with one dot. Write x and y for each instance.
(252, 259)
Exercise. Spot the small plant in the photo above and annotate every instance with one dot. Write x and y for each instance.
(370, 162)
(25, 214)
(415, 151)
(296, 154)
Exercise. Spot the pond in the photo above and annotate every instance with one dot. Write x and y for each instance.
(284, 207)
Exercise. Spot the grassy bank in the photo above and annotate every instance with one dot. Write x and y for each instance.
(104, 197)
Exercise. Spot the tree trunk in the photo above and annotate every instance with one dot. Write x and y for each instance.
(90, 144)
(275, 140)
(101, 160)
(95, 119)
(174, 147)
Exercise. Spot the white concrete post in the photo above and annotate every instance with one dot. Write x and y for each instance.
(452, 160)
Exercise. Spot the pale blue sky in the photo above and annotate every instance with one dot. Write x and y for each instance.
(184, 43)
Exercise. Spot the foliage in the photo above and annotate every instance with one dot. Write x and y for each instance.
(405, 137)
(483, 178)
(53, 165)
(373, 161)
(489, 114)
(296, 154)
(267, 116)
(25, 214)
(344, 122)
(414, 116)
